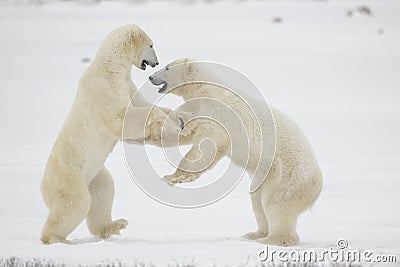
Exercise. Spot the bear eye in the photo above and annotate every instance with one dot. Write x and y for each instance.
(151, 46)
(166, 68)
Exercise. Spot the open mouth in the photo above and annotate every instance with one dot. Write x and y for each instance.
(144, 64)
(163, 87)
(158, 82)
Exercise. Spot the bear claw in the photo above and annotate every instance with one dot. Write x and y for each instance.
(174, 179)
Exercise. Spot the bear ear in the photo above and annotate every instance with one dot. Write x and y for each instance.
(136, 36)
(188, 60)
(190, 67)
(134, 29)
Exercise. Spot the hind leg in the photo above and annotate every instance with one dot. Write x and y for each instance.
(259, 200)
(68, 207)
(98, 218)
(260, 216)
(285, 202)
(282, 226)
(282, 203)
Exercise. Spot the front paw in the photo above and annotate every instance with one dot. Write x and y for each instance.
(174, 179)
(184, 115)
(170, 180)
(190, 128)
(181, 118)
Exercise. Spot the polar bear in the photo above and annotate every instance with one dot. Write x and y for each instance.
(76, 184)
(294, 180)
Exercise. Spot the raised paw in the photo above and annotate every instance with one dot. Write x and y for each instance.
(182, 116)
(174, 179)
(185, 121)
(177, 119)
(188, 129)
(255, 235)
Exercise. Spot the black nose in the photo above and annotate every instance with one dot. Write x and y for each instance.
(150, 78)
(156, 63)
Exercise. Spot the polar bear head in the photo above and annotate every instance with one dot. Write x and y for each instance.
(126, 46)
(143, 50)
(176, 74)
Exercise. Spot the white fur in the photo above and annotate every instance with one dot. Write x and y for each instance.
(76, 184)
(294, 181)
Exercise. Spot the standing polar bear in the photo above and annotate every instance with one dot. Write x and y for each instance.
(294, 180)
(76, 184)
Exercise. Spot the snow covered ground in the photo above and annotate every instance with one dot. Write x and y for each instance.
(336, 75)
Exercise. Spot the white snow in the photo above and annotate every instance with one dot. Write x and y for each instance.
(336, 76)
